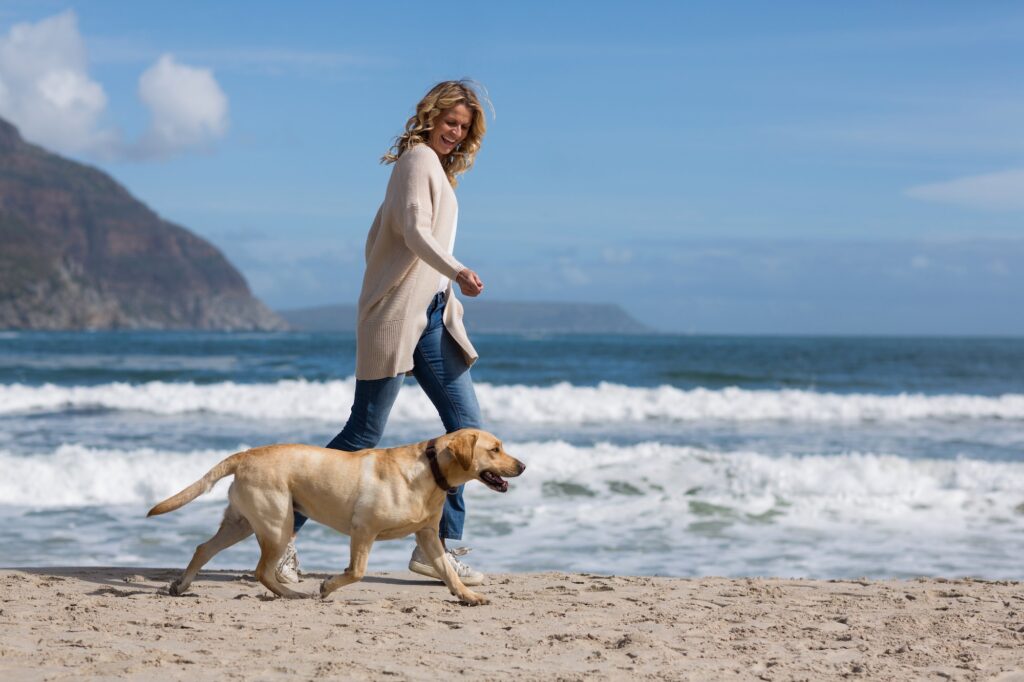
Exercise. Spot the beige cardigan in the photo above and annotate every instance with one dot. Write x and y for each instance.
(403, 257)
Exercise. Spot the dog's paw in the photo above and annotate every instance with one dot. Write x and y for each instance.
(175, 589)
(324, 592)
(474, 599)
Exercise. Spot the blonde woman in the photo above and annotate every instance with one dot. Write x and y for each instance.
(409, 319)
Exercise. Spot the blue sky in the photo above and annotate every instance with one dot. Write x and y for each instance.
(739, 167)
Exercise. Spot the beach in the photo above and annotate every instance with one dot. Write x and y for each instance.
(647, 454)
(59, 623)
(751, 336)
(849, 467)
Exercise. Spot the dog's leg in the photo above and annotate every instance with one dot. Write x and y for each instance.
(431, 545)
(359, 556)
(233, 529)
(271, 551)
(273, 531)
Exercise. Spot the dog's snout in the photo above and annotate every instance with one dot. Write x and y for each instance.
(522, 468)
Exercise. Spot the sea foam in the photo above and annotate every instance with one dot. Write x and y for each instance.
(559, 403)
(589, 481)
(647, 508)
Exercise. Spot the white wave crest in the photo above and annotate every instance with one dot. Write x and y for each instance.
(738, 485)
(669, 477)
(645, 509)
(560, 403)
(653, 508)
(75, 475)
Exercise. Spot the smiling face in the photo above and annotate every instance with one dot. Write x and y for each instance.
(450, 128)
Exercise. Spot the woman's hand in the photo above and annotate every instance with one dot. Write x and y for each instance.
(470, 284)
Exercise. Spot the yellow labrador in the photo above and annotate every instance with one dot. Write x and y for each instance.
(369, 495)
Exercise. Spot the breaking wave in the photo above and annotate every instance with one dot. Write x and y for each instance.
(560, 403)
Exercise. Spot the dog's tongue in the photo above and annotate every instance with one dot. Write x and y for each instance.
(500, 484)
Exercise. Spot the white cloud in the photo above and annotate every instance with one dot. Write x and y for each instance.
(46, 91)
(186, 105)
(1002, 191)
(45, 88)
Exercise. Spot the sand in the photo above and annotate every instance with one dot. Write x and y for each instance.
(59, 623)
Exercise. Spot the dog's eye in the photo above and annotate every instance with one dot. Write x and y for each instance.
(496, 449)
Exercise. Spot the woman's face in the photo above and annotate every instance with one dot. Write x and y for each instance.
(450, 128)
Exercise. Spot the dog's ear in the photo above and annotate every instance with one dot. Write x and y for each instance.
(462, 447)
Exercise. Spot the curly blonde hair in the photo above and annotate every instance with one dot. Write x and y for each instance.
(441, 97)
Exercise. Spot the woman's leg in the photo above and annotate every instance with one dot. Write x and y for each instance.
(370, 409)
(441, 371)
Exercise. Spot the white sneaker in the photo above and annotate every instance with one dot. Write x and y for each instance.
(288, 566)
(419, 563)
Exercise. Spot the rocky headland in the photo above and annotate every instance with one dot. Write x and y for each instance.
(77, 251)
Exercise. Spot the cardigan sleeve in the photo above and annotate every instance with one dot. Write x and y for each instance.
(418, 213)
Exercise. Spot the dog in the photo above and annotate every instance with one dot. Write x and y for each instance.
(376, 494)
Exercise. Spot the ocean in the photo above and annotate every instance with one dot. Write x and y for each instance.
(658, 455)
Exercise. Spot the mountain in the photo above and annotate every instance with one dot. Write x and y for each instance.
(493, 317)
(79, 252)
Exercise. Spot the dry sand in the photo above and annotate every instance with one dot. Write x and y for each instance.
(120, 623)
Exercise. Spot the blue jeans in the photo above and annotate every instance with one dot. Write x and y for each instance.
(442, 373)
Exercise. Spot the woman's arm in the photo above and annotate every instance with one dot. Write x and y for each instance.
(418, 212)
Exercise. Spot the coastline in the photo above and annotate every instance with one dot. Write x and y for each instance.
(89, 622)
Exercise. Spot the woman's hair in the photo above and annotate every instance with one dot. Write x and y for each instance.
(442, 96)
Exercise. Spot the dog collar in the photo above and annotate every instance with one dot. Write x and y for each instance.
(435, 469)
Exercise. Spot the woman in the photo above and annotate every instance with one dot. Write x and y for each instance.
(409, 321)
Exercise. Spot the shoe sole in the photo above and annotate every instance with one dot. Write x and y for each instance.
(424, 569)
(287, 580)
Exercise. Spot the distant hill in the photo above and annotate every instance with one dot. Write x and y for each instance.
(77, 251)
(493, 317)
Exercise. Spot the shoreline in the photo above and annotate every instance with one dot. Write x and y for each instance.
(59, 622)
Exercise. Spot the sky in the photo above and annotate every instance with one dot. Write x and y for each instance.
(712, 167)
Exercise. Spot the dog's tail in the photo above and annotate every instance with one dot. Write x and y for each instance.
(225, 467)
